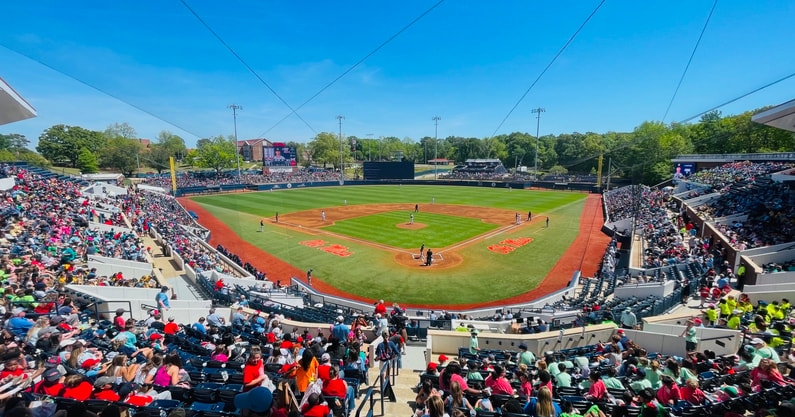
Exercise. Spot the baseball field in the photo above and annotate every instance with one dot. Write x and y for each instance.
(364, 241)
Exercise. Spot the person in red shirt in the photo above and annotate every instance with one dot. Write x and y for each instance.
(219, 285)
(598, 391)
(314, 407)
(77, 388)
(171, 326)
(669, 393)
(324, 369)
(691, 393)
(50, 383)
(380, 308)
(104, 386)
(254, 371)
(119, 321)
(338, 387)
(498, 383)
(12, 368)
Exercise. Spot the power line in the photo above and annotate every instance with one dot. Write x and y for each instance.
(245, 64)
(692, 54)
(739, 97)
(560, 52)
(354, 66)
(94, 87)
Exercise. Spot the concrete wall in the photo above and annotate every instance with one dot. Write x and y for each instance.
(136, 299)
(659, 289)
(7, 183)
(770, 292)
(448, 342)
(107, 266)
(106, 227)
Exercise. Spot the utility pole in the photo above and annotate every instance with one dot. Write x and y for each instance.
(538, 127)
(369, 145)
(436, 145)
(342, 169)
(235, 108)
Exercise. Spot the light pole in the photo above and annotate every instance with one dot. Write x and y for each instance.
(235, 108)
(342, 172)
(369, 145)
(538, 126)
(436, 145)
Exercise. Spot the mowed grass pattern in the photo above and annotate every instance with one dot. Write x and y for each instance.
(284, 201)
(440, 231)
(371, 272)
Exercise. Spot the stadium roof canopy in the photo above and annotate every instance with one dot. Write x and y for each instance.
(781, 116)
(13, 107)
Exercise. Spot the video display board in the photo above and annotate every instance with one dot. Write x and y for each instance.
(278, 154)
(684, 170)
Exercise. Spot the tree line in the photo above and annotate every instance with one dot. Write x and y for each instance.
(644, 155)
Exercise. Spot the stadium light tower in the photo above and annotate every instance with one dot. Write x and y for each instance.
(369, 145)
(436, 145)
(342, 171)
(538, 127)
(235, 108)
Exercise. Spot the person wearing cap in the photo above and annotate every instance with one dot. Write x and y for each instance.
(734, 320)
(258, 402)
(525, 356)
(691, 338)
(51, 383)
(443, 361)
(104, 389)
(162, 300)
(764, 351)
(473, 342)
(340, 330)
(171, 328)
(628, 319)
(18, 325)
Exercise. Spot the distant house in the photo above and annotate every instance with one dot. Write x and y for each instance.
(251, 149)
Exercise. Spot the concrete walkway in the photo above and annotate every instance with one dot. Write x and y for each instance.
(168, 274)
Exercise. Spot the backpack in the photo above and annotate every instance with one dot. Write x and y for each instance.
(384, 352)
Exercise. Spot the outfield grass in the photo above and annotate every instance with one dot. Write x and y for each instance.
(440, 231)
(483, 276)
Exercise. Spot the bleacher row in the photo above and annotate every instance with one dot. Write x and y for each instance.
(620, 400)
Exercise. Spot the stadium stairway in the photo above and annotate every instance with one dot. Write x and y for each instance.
(169, 274)
(406, 381)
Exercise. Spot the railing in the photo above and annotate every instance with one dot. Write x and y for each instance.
(97, 311)
(368, 400)
(383, 384)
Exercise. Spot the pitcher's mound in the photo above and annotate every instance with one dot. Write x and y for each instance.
(410, 226)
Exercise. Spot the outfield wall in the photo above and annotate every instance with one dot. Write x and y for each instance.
(519, 185)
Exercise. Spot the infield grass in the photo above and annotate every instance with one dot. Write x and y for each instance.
(371, 272)
(440, 230)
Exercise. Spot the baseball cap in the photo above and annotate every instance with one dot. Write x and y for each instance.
(104, 380)
(67, 342)
(325, 358)
(17, 310)
(697, 321)
(258, 400)
(56, 320)
(155, 336)
(433, 365)
(52, 375)
(756, 341)
(89, 363)
(443, 358)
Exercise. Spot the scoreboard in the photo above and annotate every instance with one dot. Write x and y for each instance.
(278, 154)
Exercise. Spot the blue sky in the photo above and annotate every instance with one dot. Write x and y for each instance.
(466, 61)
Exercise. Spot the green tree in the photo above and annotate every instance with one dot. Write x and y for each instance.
(325, 149)
(63, 144)
(120, 129)
(14, 142)
(87, 162)
(168, 145)
(217, 153)
(121, 154)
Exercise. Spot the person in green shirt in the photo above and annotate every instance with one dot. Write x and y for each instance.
(562, 379)
(473, 342)
(653, 375)
(525, 357)
(691, 339)
(611, 381)
(712, 314)
(641, 381)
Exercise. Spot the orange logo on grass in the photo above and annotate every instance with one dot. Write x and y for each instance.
(509, 245)
(333, 249)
